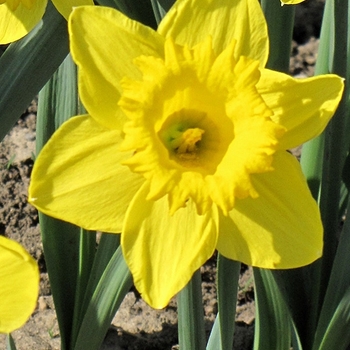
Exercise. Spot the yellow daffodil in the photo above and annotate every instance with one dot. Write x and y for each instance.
(18, 17)
(19, 285)
(291, 2)
(184, 147)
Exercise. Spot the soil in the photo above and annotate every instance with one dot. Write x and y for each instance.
(136, 325)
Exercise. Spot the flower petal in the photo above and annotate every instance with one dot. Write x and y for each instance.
(302, 106)
(103, 66)
(291, 2)
(65, 7)
(78, 176)
(163, 251)
(279, 229)
(15, 24)
(19, 285)
(190, 22)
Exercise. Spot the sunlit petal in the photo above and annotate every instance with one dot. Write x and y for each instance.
(16, 23)
(190, 22)
(163, 251)
(103, 66)
(291, 2)
(279, 229)
(93, 189)
(302, 106)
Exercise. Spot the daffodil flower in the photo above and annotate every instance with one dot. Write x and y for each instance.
(291, 2)
(19, 17)
(19, 285)
(184, 147)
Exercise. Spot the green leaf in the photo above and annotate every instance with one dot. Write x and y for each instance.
(337, 335)
(158, 11)
(338, 287)
(273, 322)
(160, 8)
(10, 344)
(221, 336)
(115, 282)
(312, 155)
(280, 20)
(336, 148)
(58, 101)
(140, 11)
(61, 249)
(87, 249)
(107, 246)
(28, 64)
(301, 287)
(191, 315)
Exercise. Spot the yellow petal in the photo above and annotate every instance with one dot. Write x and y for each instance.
(279, 229)
(302, 106)
(291, 2)
(19, 285)
(190, 22)
(164, 251)
(104, 59)
(15, 24)
(65, 7)
(78, 177)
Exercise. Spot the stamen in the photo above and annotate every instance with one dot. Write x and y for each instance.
(185, 144)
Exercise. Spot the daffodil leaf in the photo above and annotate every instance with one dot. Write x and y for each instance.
(337, 297)
(312, 155)
(307, 279)
(166, 4)
(160, 8)
(280, 20)
(107, 246)
(10, 343)
(60, 239)
(107, 297)
(336, 148)
(87, 250)
(28, 64)
(337, 334)
(221, 336)
(296, 286)
(158, 11)
(273, 322)
(191, 315)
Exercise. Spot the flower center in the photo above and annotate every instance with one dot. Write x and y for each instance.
(185, 143)
(194, 141)
(198, 127)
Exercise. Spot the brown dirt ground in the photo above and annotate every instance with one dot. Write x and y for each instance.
(136, 325)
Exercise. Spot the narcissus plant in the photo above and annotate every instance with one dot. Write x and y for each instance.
(184, 149)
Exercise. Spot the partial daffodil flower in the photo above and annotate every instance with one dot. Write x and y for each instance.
(19, 285)
(184, 147)
(19, 17)
(291, 2)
